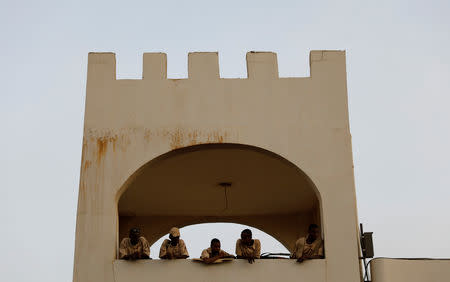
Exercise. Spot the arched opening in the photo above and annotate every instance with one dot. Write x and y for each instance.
(219, 183)
(198, 237)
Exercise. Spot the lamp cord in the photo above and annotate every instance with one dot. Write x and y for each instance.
(226, 198)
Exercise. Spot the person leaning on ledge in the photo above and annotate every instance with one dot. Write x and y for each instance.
(248, 248)
(310, 247)
(173, 248)
(214, 252)
(134, 247)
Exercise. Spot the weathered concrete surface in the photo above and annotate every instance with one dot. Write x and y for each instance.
(237, 271)
(410, 270)
(129, 123)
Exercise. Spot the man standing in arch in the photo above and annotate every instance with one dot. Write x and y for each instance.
(248, 248)
(173, 248)
(214, 252)
(310, 247)
(134, 247)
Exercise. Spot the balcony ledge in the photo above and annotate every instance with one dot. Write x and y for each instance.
(237, 270)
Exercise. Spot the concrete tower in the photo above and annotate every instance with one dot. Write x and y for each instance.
(155, 150)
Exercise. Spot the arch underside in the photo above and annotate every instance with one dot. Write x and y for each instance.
(182, 188)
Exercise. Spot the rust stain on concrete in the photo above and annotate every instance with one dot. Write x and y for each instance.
(84, 152)
(147, 135)
(176, 139)
(217, 137)
(123, 139)
(193, 137)
(180, 138)
(87, 164)
(102, 145)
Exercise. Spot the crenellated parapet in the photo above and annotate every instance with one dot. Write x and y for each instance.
(263, 93)
(205, 65)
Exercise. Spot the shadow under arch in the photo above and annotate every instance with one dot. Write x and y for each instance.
(181, 188)
(226, 232)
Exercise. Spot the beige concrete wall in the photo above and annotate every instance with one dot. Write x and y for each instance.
(130, 122)
(236, 271)
(403, 270)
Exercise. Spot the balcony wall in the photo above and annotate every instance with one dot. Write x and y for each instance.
(238, 270)
(410, 270)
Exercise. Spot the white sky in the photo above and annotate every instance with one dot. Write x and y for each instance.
(198, 237)
(398, 65)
